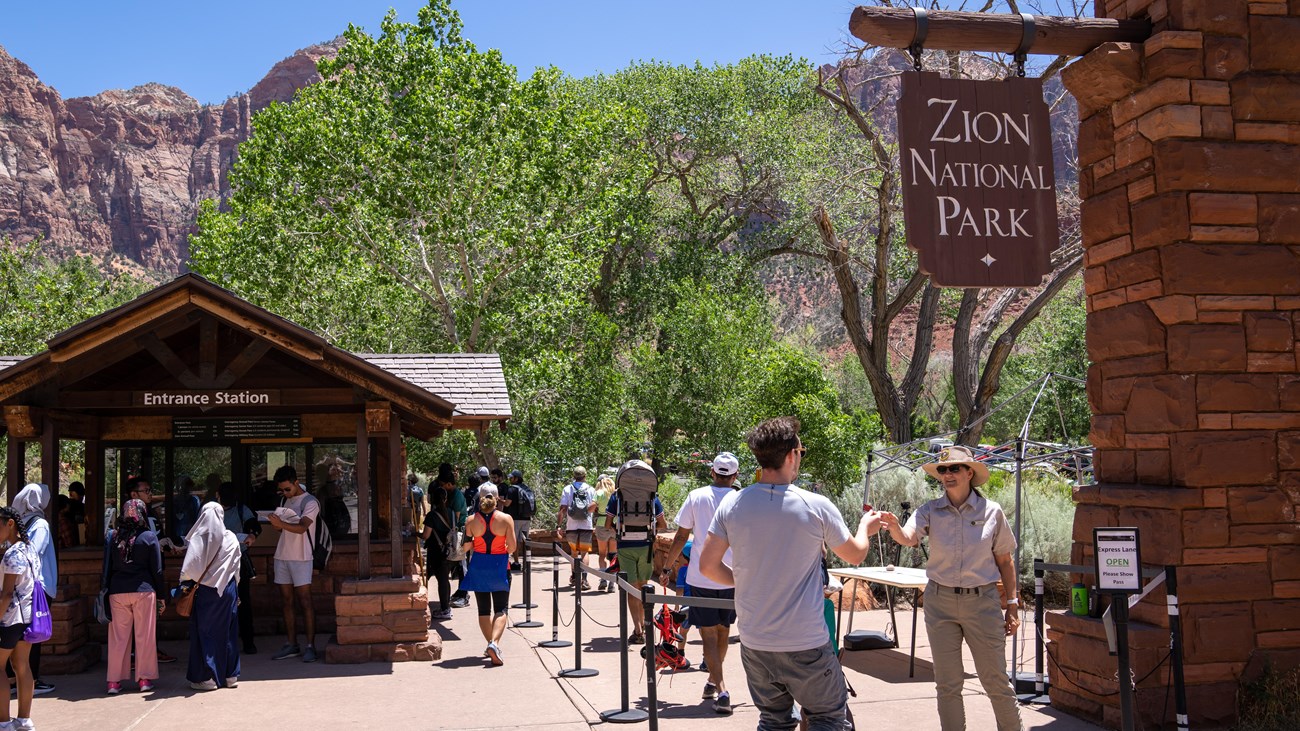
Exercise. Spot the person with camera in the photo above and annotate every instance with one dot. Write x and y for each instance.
(776, 532)
(971, 547)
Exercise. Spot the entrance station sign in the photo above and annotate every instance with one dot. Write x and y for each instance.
(979, 192)
(1119, 565)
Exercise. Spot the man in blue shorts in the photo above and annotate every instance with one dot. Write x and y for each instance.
(714, 624)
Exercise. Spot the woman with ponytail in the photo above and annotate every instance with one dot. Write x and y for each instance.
(492, 535)
(22, 566)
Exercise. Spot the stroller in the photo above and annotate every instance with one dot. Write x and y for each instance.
(667, 655)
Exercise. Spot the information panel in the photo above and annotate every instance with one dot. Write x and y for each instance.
(286, 427)
(1119, 564)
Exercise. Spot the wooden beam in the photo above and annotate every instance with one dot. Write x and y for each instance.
(959, 31)
(362, 473)
(208, 349)
(73, 425)
(396, 485)
(242, 363)
(112, 330)
(288, 397)
(15, 467)
(379, 417)
(311, 352)
(24, 422)
(96, 487)
(50, 464)
(169, 360)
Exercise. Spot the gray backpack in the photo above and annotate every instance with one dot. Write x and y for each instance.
(637, 485)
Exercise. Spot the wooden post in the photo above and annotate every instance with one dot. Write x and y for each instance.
(96, 488)
(50, 462)
(396, 483)
(957, 31)
(15, 467)
(362, 473)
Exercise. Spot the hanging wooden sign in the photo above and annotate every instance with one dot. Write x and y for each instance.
(979, 193)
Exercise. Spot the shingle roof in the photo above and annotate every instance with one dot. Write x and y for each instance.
(474, 382)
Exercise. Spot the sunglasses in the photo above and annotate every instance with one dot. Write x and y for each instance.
(801, 451)
(944, 469)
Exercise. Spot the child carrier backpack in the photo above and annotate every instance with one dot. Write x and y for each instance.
(636, 484)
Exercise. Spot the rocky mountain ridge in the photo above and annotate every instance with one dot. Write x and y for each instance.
(120, 175)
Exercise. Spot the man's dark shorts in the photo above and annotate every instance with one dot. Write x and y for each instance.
(708, 616)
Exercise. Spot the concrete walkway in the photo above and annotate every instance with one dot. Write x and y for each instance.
(463, 692)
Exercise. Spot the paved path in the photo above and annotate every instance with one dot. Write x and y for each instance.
(522, 695)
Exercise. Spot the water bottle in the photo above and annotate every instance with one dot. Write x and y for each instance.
(1079, 600)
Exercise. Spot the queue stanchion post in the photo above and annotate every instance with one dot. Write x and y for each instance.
(578, 671)
(1176, 647)
(1040, 686)
(555, 640)
(527, 605)
(625, 713)
(652, 700)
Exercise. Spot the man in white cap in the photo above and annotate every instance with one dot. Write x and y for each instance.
(714, 624)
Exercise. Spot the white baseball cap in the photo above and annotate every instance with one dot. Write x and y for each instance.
(726, 464)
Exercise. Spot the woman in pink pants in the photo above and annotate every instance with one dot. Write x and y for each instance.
(133, 575)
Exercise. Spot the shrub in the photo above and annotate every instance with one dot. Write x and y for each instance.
(1270, 703)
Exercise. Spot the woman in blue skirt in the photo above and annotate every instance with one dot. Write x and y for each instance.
(212, 561)
(492, 536)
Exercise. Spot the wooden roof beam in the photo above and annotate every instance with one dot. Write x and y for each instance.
(960, 31)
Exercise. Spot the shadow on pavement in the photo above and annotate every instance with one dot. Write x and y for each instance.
(887, 665)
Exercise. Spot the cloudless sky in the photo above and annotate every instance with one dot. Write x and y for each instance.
(212, 51)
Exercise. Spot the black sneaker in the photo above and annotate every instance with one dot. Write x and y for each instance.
(710, 691)
(723, 703)
(636, 639)
(460, 601)
(41, 688)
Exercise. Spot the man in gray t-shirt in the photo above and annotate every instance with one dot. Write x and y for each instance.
(778, 534)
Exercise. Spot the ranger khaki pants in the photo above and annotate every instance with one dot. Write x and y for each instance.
(951, 618)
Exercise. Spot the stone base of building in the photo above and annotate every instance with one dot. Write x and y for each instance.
(382, 620)
(430, 650)
(1083, 672)
(71, 662)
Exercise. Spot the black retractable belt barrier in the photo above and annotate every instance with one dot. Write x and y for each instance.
(624, 713)
(555, 640)
(577, 671)
(648, 600)
(527, 605)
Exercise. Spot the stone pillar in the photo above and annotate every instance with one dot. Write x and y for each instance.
(1189, 157)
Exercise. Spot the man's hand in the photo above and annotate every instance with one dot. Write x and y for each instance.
(1013, 620)
(275, 522)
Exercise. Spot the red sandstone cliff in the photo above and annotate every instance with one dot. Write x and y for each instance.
(122, 173)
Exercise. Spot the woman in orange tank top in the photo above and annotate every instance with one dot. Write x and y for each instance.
(491, 535)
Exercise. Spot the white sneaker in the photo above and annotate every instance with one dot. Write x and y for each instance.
(494, 653)
(205, 685)
(23, 724)
(232, 682)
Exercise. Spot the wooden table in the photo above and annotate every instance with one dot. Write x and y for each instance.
(900, 577)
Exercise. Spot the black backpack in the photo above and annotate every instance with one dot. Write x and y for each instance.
(527, 502)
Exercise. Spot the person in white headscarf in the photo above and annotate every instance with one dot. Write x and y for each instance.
(212, 562)
(30, 504)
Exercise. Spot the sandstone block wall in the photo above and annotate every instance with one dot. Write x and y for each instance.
(1189, 156)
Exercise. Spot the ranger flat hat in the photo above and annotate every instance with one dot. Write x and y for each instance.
(960, 455)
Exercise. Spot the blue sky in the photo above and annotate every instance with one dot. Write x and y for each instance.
(213, 51)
